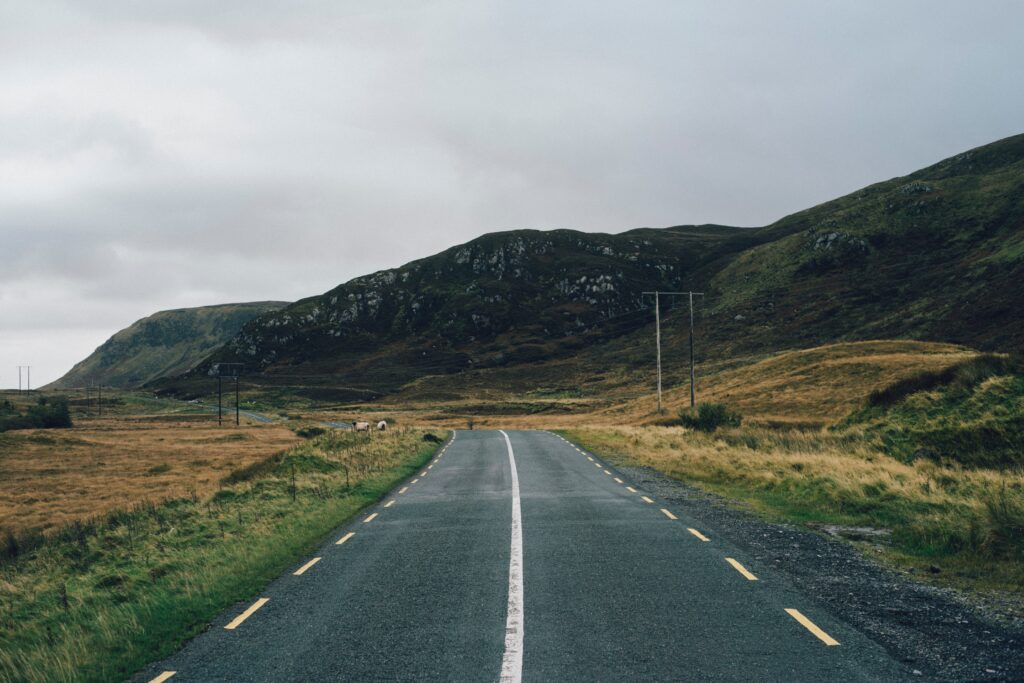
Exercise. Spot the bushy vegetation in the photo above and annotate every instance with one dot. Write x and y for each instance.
(45, 414)
(99, 599)
(709, 417)
(962, 376)
(971, 414)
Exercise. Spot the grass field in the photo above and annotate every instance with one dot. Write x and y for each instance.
(98, 600)
(54, 477)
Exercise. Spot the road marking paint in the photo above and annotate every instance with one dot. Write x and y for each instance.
(608, 473)
(302, 570)
(345, 537)
(812, 627)
(646, 499)
(370, 518)
(163, 677)
(430, 466)
(246, 614)
(631, 489)
(668, 514)
(597, 464)
(404, 489)
(389, 503)
(414, 481)
(741, 569)
(590, 459)
(619, 480)
(699, 535)
(512, 660)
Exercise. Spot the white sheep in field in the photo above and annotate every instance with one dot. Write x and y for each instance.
(361, 426)
(382, 425)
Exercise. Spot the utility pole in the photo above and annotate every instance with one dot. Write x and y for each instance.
(99, 399)
(220, 414)
(657, 341)
(236, 400)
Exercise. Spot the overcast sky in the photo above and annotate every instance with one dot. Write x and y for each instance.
(165, 154)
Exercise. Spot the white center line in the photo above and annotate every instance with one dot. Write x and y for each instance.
(646, 499)
(389, 503)
(404, 489)
(668, 514)
(370, 518)
(302, 570)
(345, 537)
(631, 489)
(699, 535)
(512, 661)
(163, 677)
(618, 480)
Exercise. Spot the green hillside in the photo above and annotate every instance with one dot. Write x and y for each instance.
(937, 255)
(165, 343)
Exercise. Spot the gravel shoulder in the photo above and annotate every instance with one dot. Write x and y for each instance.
(934, 631)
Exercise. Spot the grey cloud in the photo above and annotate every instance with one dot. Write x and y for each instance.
(160, 154)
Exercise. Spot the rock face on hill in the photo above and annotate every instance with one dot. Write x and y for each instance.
(937, 255)
(163, 344)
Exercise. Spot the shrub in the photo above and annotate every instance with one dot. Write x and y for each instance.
(709, 417)
(963, 375)
(310, 432)
(45, 414)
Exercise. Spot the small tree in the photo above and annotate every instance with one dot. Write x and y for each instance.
(709, 417)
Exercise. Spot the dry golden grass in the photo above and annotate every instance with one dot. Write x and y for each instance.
(57, 476)
(811, 387)
(819, 385)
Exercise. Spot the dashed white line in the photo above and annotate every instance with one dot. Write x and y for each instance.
(163, 677)
(646, 499)
(370, 518)
(404, 489)
(389, 503)
(699, 535)
(668, 514)
(344, 538)
(619, 481)
(631, 489)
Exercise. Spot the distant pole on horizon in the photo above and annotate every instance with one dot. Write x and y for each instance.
(28, 383)
(657, 341)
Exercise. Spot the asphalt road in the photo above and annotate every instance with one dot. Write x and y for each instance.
(597, 584)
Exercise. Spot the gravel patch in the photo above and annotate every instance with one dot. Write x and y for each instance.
(934, 631)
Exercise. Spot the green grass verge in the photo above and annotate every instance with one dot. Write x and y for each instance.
(99, 601)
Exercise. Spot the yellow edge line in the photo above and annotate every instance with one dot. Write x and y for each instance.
(246, 614)
(345, 537)
(302, 570)
(699, 535)
(163, 677)
(741, 569)
(812, 627)
(371, 518)
(668, 514)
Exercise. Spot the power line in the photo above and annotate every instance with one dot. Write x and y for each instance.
(657, 337)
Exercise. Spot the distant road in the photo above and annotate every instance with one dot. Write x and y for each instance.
(520, 557)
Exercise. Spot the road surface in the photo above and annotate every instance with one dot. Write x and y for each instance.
(517, 556)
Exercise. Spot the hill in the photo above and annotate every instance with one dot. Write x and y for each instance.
(937, 255)
(165, 343)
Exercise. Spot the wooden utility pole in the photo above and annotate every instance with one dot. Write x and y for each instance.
(657, 341)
